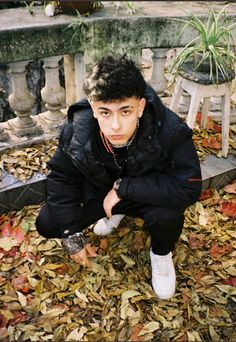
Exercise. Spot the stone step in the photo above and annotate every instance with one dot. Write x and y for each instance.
(15, 194)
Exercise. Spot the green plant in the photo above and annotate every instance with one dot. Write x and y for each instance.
(212, 46)
(79, 26)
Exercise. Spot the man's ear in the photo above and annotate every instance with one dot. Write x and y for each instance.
(142, 103)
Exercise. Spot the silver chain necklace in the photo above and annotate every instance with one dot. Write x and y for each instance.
(127, 145)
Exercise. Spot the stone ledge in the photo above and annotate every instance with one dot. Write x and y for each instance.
(107, 33)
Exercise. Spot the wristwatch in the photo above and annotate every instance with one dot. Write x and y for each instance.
(116, 186)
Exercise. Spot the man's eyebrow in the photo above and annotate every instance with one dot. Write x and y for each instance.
(121, 108)
(126, 107)
(104, 108)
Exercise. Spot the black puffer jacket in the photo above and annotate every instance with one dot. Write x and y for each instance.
(162, 164)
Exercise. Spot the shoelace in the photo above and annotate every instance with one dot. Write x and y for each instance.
(162, 265)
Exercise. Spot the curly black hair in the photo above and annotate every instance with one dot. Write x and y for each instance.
(114, 79)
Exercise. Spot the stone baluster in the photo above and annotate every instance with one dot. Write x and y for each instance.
(22, 102)
(158, 79)
(3, 134)
(53, 95)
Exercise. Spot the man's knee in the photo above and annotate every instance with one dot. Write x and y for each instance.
(160, 215)
(43, 223)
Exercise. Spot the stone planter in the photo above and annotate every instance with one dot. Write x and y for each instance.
(202, 75)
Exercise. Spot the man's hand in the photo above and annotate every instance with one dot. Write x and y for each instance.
(82, 256)
(110, 201)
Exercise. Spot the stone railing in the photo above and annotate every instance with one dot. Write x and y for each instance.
(49, 40)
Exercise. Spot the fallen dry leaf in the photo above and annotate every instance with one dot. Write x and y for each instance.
(228, 208)
(231, 188)
(217, 251)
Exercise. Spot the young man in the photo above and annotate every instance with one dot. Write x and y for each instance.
(122, 152)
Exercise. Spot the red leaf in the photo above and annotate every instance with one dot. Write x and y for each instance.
(194, 242)
(6, 229)
(210, 123)
(211, 143)
(11, 253)
(217, 251)
(230, 281)
(18, 234)
(228, 208)
(206, 194)
(217, 128)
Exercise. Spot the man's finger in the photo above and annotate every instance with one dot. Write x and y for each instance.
(91, 251)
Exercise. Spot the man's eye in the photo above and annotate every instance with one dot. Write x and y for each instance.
(126, 112)
(105, 113)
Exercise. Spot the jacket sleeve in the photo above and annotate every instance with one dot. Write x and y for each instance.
(64, 194)
(177, 187)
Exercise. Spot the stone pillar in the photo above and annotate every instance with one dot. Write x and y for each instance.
(158, 79)
(79, 76)
(74, 74)
(69, 69)
(53, 94)
(22, 102)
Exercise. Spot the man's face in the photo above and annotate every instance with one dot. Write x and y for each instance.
(118, 119)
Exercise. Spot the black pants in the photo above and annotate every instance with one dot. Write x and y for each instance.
(163, 224)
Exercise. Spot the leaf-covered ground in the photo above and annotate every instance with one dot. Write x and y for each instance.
(45, 296)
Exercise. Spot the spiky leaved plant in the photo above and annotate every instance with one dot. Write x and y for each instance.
(211, 47)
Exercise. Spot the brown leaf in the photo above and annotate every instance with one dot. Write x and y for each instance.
(122, 231)
(231, 188)
(199, 275)
(62, 269)
(134, 336)
(217, 251)
(104, 243)
(138, 242)
(194, 241)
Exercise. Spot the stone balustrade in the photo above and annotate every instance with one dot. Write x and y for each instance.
(51, 41)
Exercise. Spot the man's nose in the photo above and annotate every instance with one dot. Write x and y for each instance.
(116, 124)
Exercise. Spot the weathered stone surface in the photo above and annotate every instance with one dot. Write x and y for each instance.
(43, 36)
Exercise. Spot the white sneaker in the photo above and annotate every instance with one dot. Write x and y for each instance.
(105, 226)
(163, 275)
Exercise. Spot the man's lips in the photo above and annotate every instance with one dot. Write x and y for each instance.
(116, 137)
